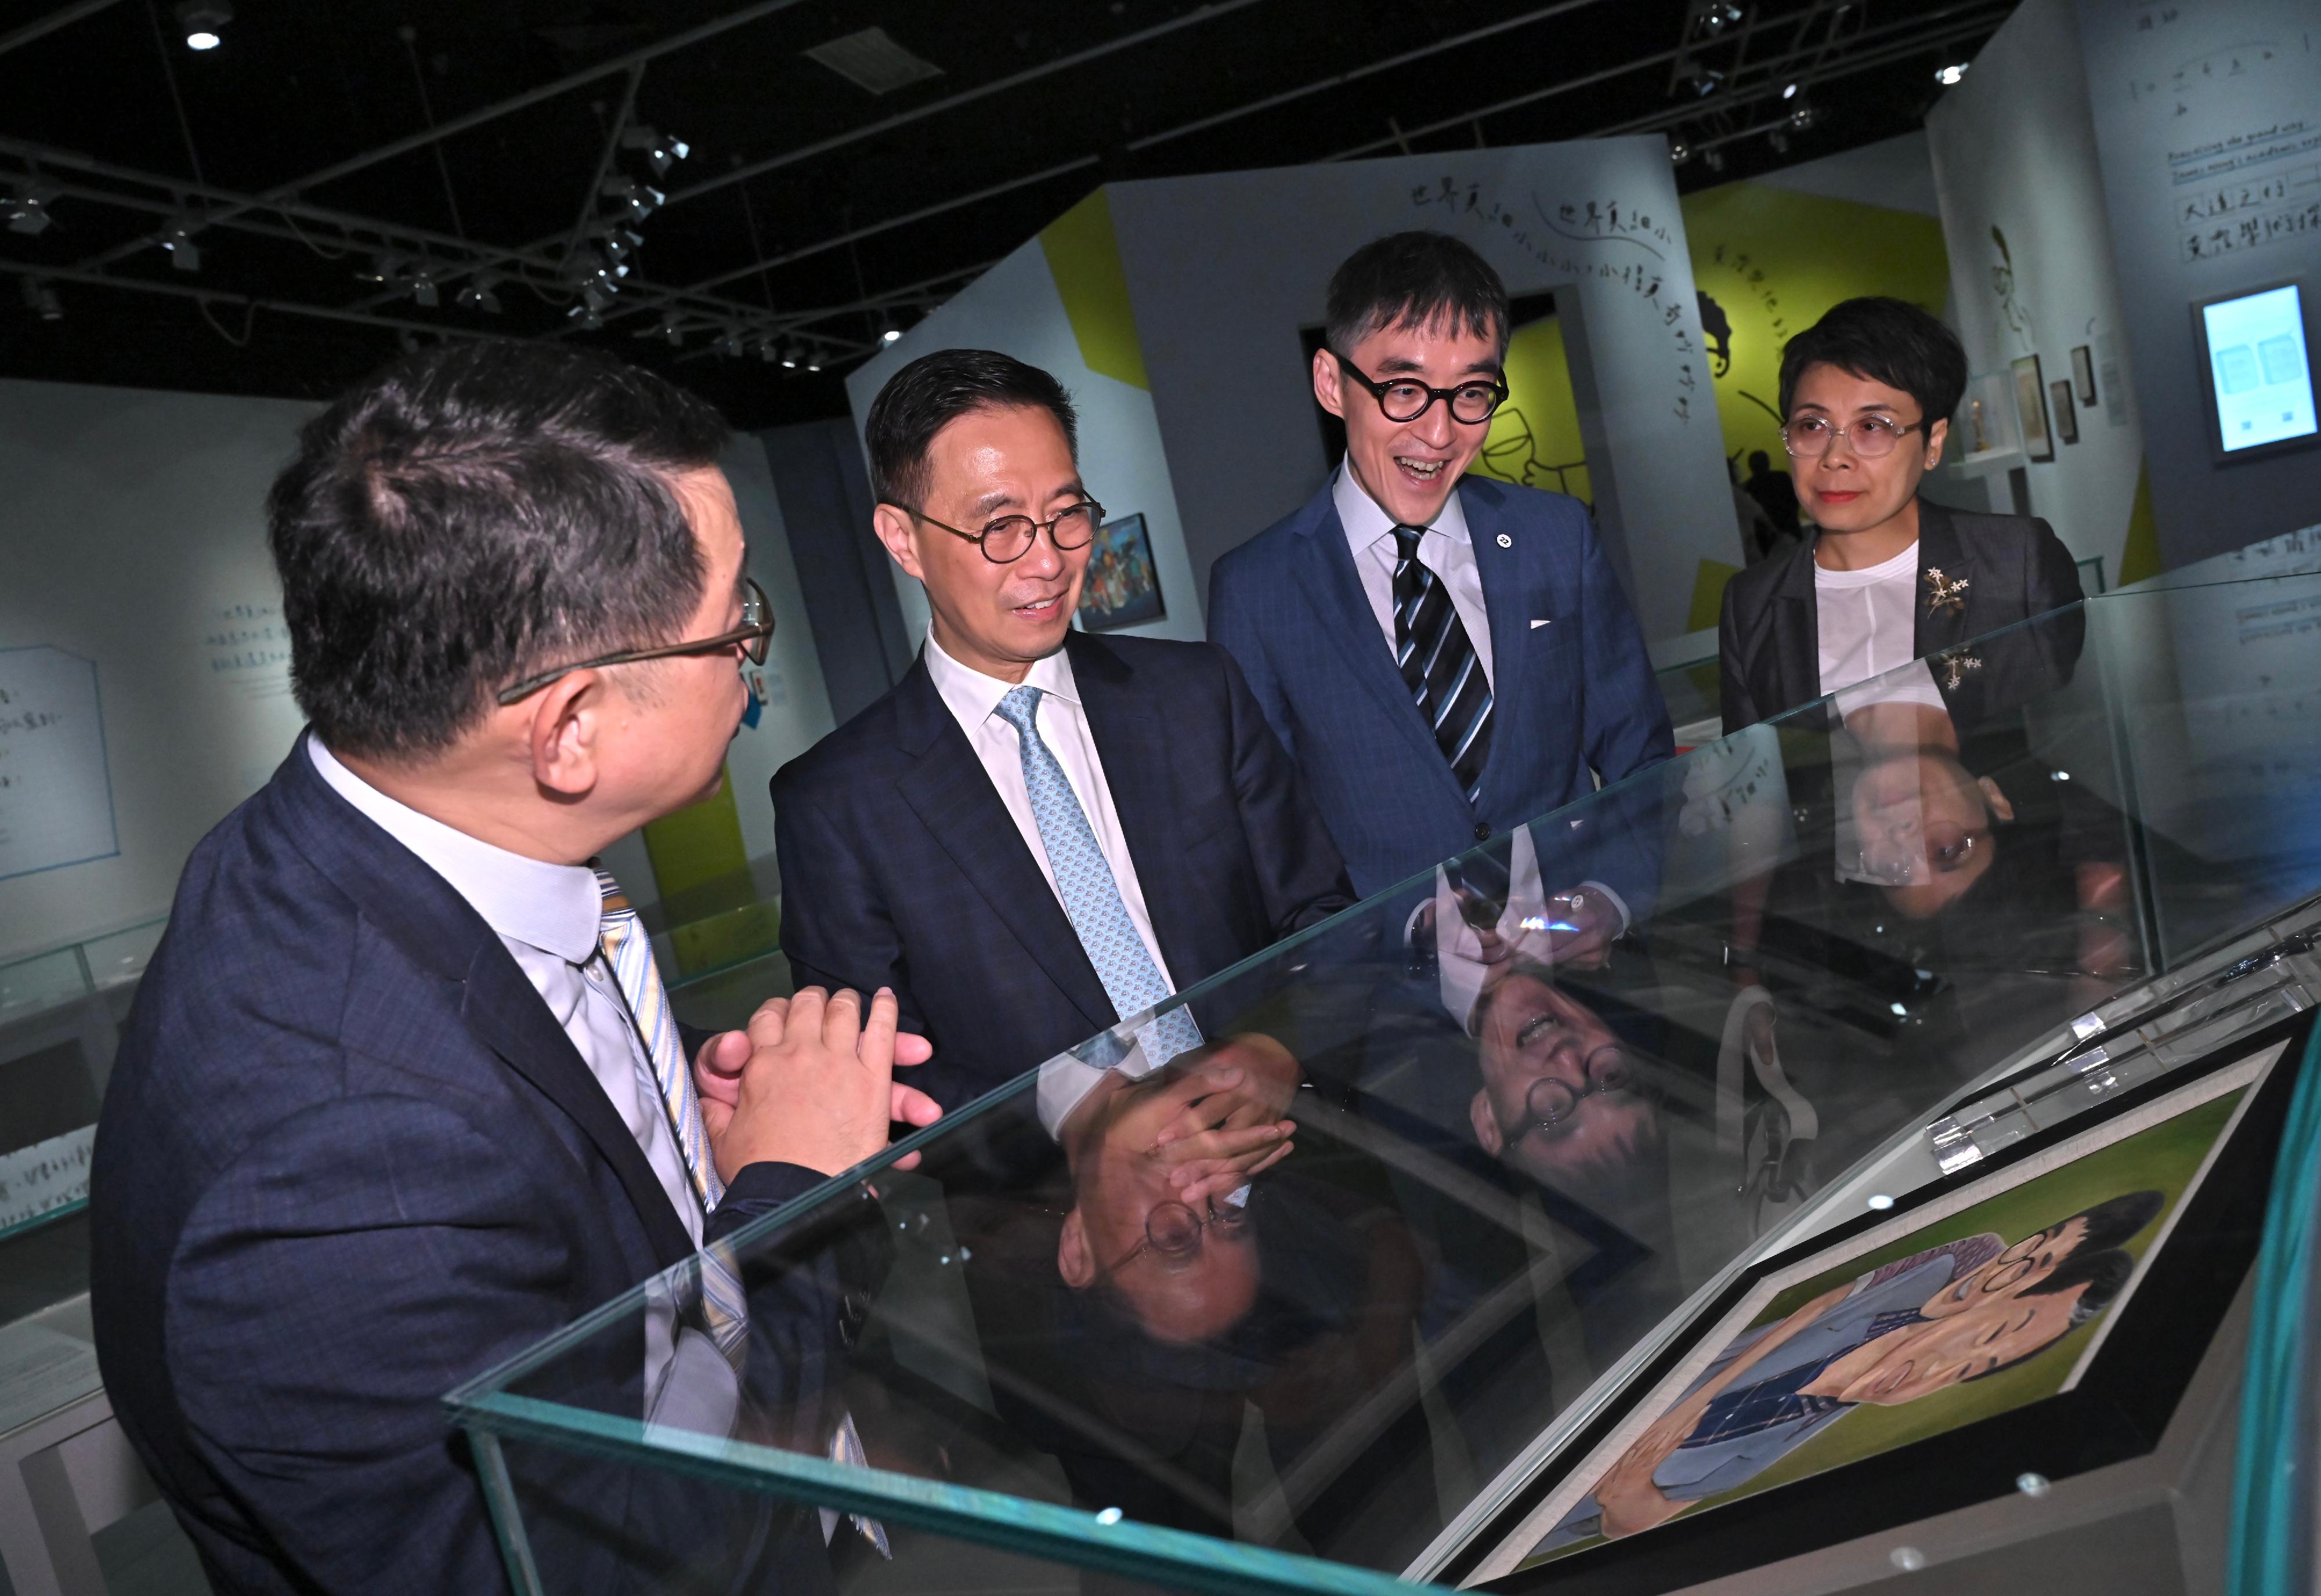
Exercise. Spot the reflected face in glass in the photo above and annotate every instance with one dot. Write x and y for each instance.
(2020, 1266)
(1184, 1278)
(982, 466)
(1841, 488)
(1926, 832)
(1559, 1096)
(1408, 468)
(1910, 1364)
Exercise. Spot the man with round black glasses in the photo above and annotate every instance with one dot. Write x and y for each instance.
(1446, 656)
(1037, 832)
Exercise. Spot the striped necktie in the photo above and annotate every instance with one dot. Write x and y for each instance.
(1090, 891)
(1439, 664)
(629, 950)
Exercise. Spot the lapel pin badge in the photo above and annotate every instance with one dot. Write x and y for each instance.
(1955, 668)
(1946, 593)
(1505, 541)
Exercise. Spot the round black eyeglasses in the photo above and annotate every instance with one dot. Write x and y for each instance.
(1010, 538)
(752, 637)
(1401, 399)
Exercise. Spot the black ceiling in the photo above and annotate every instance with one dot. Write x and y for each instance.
(131, 134)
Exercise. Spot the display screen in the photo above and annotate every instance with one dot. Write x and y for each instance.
(2258, 370)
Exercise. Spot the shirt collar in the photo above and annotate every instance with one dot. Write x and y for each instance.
(557, 909)
(1366, 522)
(971, 696)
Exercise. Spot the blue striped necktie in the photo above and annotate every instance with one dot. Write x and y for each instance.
(1091, 893)
(1439, 664)
(629, 950)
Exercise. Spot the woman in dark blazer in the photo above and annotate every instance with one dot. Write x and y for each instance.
(1867, 392)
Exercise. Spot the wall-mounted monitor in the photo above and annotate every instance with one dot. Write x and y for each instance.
(2261, 397)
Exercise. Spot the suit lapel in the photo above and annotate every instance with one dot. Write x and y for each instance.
(1501, 570)
(949, 789)
(441, 932)
(1135, 744)
(1795, 620)
(1334, 590)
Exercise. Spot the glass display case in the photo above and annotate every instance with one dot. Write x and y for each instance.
(1897, 975)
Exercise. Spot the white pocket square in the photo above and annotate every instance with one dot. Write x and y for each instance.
(1537, 624)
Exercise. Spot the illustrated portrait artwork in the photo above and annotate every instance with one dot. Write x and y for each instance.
(1918, 1327)
(1121, 588)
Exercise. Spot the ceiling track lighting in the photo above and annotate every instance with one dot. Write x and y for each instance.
(27, 207)
(177, 239)
(1714, 159)
(1719, 16)
(483, 294)
(1803, 117)
(1680, 152)
(641, 199)
(661, 153)
(1779, 141)
(1950, 75)
(889, 333)
(203, 21)
(1706, 80)
(587, 316)
(40, 299)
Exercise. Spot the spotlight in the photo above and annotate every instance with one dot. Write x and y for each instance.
(661, 153)
(423, 288)
(1802, 118)
(813, 361)
(789, 358)
(27, 207)
(41, 300)
(1948, 77)
(482, 294)
(729, 344)
(619, 243)
(891, 334)
(1706, 80)
(584, 316)
(1789, 91)
(1680, 152)
(769, 351)
(204, 21)
(178, 240)
(642, 199)
(387, 268)
(669, 333)
(1717, 17)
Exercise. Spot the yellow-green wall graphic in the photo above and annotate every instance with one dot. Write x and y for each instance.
(1534, 437)
(1084, 258)
(1769, 262)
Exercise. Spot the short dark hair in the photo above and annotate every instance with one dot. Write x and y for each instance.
(1886, 341)
(2104, 1275)
(935, 390)
(1414, 279)
(2115, 1220)
(471, 515)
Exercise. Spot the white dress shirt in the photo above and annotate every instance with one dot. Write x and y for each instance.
(1868, 625)
(1447, 549)
(548, 918)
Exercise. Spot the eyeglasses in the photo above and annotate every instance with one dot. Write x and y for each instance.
(1550, 1103)
(750, 637)
(1173, 1231)
(1010, 538)
(1873, 436)
(1405, 399)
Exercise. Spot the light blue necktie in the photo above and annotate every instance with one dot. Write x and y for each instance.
(1091, 895)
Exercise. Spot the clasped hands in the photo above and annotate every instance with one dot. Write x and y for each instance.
(811, 1083)
(1230, 1125)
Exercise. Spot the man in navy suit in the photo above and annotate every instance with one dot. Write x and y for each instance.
(1037, 832)
(1445, 656)
(401, 1094)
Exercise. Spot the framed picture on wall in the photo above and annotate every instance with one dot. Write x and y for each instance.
(2042, 1310)
(1123, 587)
(2031, 405)
(2067, 413)
(2083, 373)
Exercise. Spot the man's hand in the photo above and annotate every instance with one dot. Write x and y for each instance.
(810, 1083)
(1232, 1126)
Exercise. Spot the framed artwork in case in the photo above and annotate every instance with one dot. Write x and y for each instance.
(2083, 373)
(2040, 1311)
(2067, 413)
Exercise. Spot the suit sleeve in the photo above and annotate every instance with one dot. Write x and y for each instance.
(2051, 582)
(1233, 629)
(1300, 874)
(836, 929)
(1627, 719)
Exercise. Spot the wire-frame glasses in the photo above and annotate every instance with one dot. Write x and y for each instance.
(752, 636)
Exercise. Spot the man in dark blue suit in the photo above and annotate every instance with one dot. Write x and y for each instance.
(1038, 833)
(401, 1094)
(1445, 656)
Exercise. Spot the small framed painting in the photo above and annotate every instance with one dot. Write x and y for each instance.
(1123, 586)
(2083, 373)
(2031, 403)
(2067, 413)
